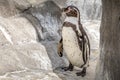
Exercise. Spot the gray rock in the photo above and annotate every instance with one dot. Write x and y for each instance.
(18, 30)
(7, 8)
(19, 49)
(16, 58)
(36, 24)
(51, 48)
(3, 41)
(60, 3)
(49, 16)
(92, 29)
(31, 75)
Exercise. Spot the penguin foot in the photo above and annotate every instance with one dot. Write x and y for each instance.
(69, 68)
(82, 73)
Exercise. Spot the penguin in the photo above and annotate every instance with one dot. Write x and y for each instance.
(74, 41)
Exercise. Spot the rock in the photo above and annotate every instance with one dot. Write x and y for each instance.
(92, 29)
(21, 4)
(51, 48)
(18, 30)
(60, 3)
(49, 16)
(32, 56)
(19, 49)
(7, 8)
(3, 41)
(36, 24)
(31, 75)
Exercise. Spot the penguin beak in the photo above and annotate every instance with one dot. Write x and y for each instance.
(63, 9)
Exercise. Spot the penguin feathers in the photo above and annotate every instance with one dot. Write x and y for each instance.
(74, 40)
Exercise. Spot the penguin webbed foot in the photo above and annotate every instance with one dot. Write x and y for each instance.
(82, 73)
(69, 68)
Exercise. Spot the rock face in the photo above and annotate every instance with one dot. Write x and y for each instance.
(49, 16)
(29, 37)
(19, 48)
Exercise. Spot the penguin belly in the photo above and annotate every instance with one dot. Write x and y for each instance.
(71, 46)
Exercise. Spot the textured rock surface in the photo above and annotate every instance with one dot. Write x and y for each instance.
(92, 29)
(30, 75)
(29, 37)
(7, 9)
(18, 30)
(48, 15)
(19, 48)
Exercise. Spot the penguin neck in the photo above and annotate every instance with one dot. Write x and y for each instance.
(73, 20)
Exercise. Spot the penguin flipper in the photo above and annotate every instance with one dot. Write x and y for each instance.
(60, 48)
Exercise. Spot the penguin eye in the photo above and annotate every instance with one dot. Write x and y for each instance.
(70, 8)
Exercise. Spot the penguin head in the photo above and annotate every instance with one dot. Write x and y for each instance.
(71, 11)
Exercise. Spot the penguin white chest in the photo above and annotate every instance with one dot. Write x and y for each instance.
(71, 46)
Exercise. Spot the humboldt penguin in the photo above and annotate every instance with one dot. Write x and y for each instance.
(74, 41)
